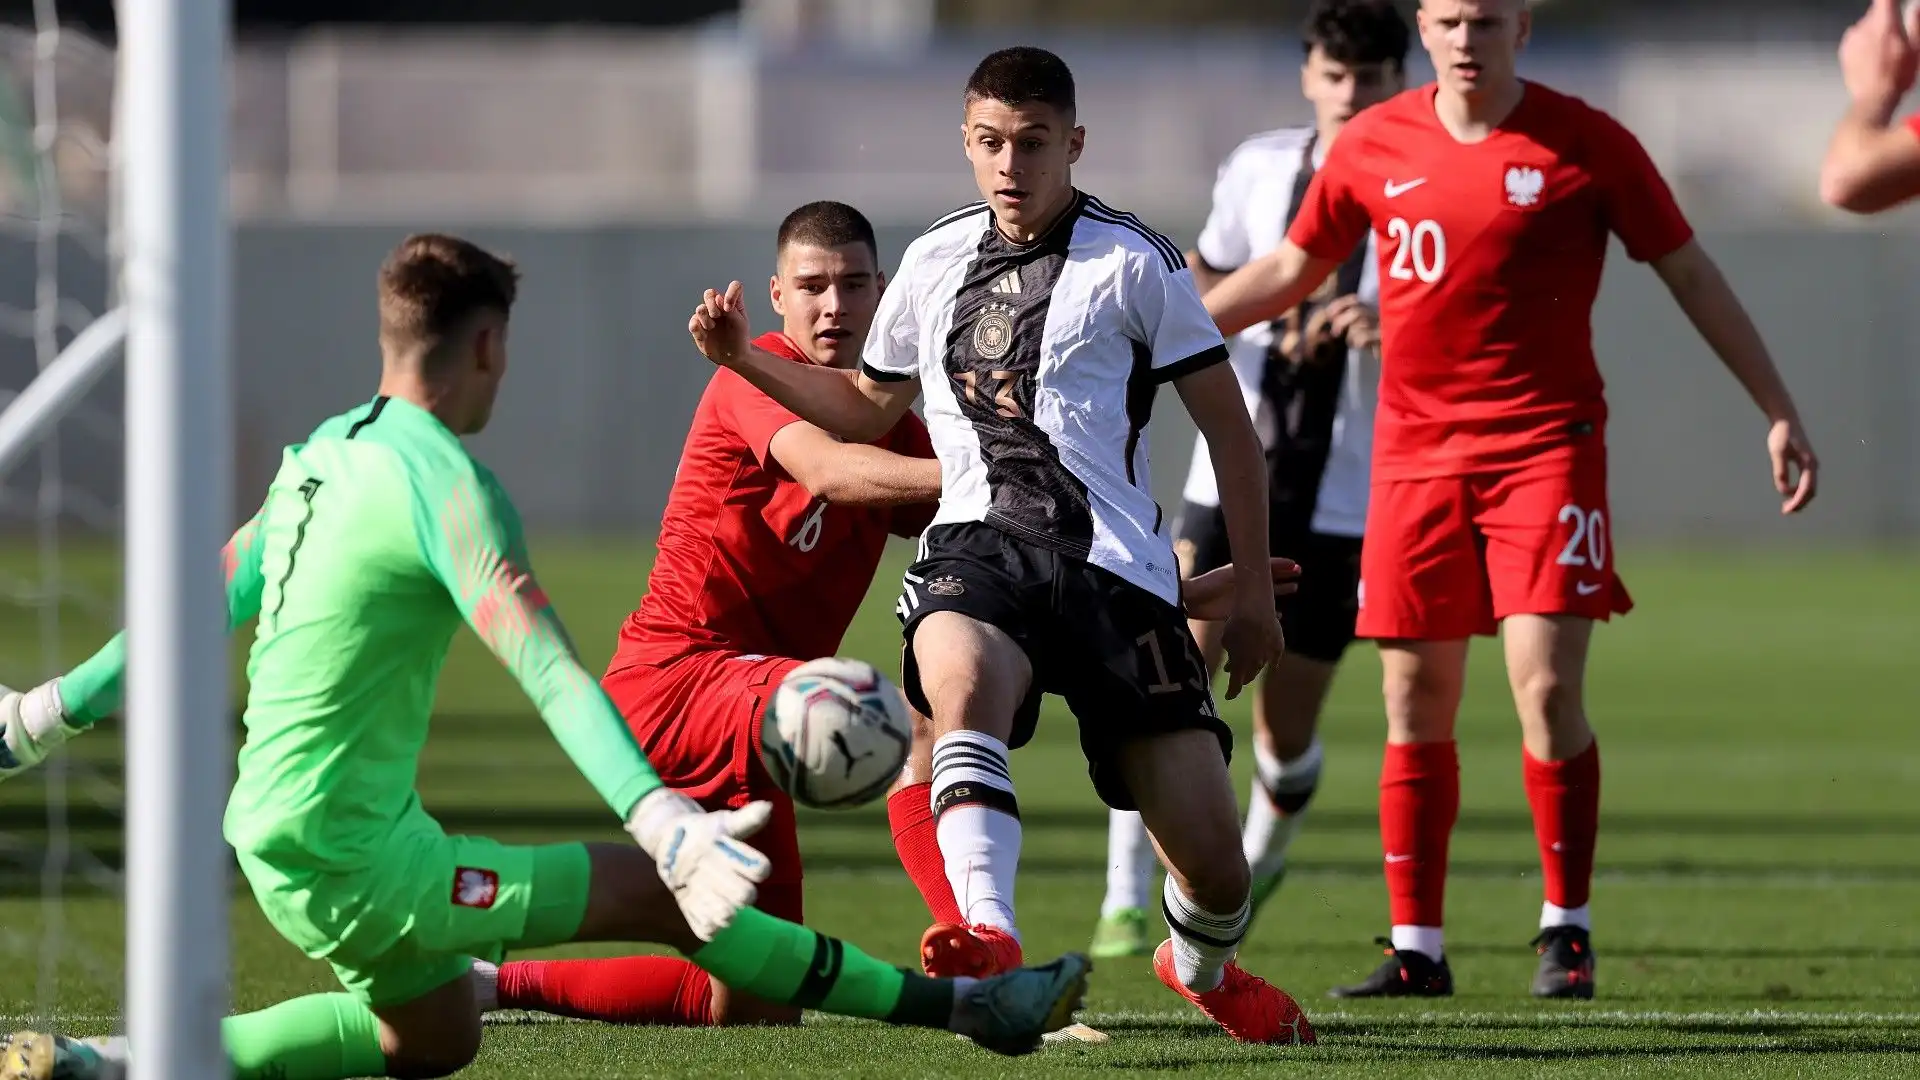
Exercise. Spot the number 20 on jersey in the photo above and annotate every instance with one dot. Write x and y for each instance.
(1419, 250)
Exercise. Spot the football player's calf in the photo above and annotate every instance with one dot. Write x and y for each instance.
(1186, 797)
(975, 678)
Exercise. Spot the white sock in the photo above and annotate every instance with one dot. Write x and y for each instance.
(1552, 915)
(1130, 863)
(1426, 940)
(956, 1021)
(1203, 942)
(1271, 828)
(977, 822)
(486, 985)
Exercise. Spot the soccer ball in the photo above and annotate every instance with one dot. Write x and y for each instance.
(836, 733)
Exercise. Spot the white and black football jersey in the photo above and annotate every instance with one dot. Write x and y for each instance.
(1253, 198)
(1039, 364)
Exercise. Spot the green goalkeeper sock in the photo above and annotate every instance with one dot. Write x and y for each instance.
(779, 961)
(318, 1037)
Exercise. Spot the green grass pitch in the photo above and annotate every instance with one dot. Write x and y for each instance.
(1758, 900)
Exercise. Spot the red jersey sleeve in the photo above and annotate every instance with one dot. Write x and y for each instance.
(1639, 205)
(752, 416)
(1332, 219)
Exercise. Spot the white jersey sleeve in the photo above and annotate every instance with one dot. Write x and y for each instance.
(892, 350)
(1164, 313)
(1225, 242)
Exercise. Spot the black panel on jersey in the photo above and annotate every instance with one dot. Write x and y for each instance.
(1303, 390)
(992, 359)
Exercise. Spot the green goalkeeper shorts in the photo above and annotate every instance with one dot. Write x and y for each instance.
(430, 903)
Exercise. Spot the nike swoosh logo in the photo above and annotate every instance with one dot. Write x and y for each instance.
(1399, 858)
(1587, 588)
(1394, 190)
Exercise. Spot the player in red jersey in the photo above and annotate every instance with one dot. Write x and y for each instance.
(1873, 162)
(772, 534)
(1492, 200)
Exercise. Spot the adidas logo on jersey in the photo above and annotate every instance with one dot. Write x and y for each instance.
(1009, 283)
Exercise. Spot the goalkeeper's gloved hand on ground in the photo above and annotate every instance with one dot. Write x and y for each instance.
(36, 724)
(712, 874)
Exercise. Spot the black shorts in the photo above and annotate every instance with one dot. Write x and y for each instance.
(1121, 656)
(1319, 618)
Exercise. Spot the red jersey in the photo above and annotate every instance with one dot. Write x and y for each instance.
(1490, 260)
(749, 560)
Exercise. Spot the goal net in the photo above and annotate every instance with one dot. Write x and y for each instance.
(61, 830)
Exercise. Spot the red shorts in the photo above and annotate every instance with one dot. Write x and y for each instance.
(1450, 557)
(698, 719)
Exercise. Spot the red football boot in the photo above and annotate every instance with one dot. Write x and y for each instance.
(948, 951)
(1250, 1008)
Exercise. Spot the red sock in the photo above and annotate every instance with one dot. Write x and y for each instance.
(910, 810)
(1419, 801)
(660, 990)
(1566, 820)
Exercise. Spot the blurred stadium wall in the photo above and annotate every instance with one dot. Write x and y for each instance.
(628, 166)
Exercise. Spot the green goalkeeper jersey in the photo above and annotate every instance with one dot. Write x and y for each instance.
(379, 536)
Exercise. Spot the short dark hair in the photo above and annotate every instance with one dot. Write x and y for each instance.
(432, 284)
(827, 224)
(1022, 75)
(1358, 32)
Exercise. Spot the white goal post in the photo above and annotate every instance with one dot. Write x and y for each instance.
(170, 163)
(171, 139)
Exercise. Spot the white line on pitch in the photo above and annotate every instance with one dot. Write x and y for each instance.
(1545, 1018)
(1549, 1017)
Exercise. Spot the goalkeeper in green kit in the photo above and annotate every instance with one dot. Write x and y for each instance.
(379, 536)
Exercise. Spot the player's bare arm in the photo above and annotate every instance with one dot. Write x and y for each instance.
(1209, 597)
(1205, 277)
(1265, 288)
(853, 474)
(859, 409)
(1252, 639)
(1703, 294)
(1873, 163)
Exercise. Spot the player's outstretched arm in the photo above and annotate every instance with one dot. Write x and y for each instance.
(855, 407)
(1710, 304)
(473, 543)
(853, 474)
(1266, 288)
(1252, 639)
(1872, 163)
(35, 722)
(1210, 596)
